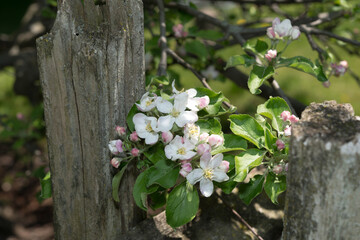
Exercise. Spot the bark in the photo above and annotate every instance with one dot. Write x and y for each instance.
(92, 71)
(322, 201)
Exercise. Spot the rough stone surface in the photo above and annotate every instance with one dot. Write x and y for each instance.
(322, 200)
(92, 72)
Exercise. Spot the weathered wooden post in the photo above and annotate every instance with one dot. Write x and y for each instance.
(92, 71)
(322, 200)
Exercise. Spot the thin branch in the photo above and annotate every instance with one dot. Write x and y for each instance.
(314, 45)
(183, 63)
(239, 217)
(316, 31)
(275, 85)
(162, 40)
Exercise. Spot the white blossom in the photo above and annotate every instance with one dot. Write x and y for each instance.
(146, 128)
(192, 132)
(180, 148)
(147, 103)
(177, 112)
(208, 172)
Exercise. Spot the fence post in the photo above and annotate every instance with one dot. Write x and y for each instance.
(323, 192)
(92, 71)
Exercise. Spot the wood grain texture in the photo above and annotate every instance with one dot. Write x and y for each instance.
(92, 72)
(322, 200)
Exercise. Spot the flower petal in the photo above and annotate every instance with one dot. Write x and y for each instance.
(151, 138)
(186, 117)
(139, 119)
(195, 175)
(170, 151)
(216, 160)
(165, 123)
(188, 155)
(164, 106)
(205, 159)
(191, 92)
(173, 88)
(181, 101)
(219, 176)
(206, 187)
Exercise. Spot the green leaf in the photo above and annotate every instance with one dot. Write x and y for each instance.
(216, 100)
(248, 191)
(158, 199)
(272, 109)
(240, 60)
(140, 191)
(165, 173)
(231, 143)
(257, 77)
(197, 48)
(261, 46)
(156, 153)
(209, 34)
(270, 140)
(304, 64)
(182, 205)
(46, 190)
(247, 127)
(246, 161)
(211, 126)
(129, 118)
(116, 183)
(274, 186)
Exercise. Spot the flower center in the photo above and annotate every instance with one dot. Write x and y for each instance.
(174, 113)
(148, 127)
(194, 130)
(208, 173)
(181, 151)
(149, 102)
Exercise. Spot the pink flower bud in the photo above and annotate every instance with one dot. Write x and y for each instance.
(326, 84)
(135, 152)
(344, 64)
(134, 137)
(179, 31)
(20, 116)
(293, 119)
(277, 169)
(115, 162)
(203, 148)
(270, 55)
(204, 137)
(215, 140)
(270, 33)
(167, 137)
(224, 165)
(285, 115)
(280, 144)
(186, 168)
(120, 130)
(287, 131)
(204, 102)
(116, 146)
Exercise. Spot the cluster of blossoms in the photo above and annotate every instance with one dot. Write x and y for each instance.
(281, 142)
(339, 69)
(172, 122)
(282, 30)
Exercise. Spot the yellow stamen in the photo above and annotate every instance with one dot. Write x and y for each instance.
(208, 173)
(175, 113)
(148, 102)
(148, 127)
(181, 151)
